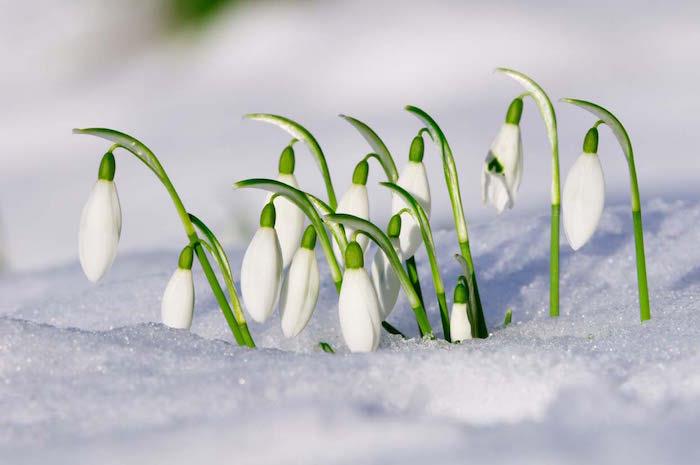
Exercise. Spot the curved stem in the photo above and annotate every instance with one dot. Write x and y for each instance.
(143, 153)
(386, 169)
(605, 116)
(544, 104)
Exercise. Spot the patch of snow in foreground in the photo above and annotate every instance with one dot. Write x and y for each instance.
(86, 376)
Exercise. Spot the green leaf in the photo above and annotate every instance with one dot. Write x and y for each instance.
(378, 146)
(301, 200)
(336, 229)
(298, 131)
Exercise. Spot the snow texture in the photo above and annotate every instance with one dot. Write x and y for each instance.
(88, 376)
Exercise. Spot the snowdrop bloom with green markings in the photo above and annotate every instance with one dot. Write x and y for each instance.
(414, 179)
(460, 329)
(261, 270)
(290, 219)
(386, 283)
(177, 306)
(300, 289)
(100, 223)
(358, 307)
(355, 201)
(503, 167)
(584, 194)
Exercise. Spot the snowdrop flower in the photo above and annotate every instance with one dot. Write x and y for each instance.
(460, 329)
(178, 299)
(290, 219)
(358, 307)
(503, 167)
(355, 202)
(261, 270)
(300, 288)
(414, 179)
(584, 194)
(100, 223)
(386, 283)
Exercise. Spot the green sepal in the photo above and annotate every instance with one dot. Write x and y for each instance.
(308, 240)
(515, 111)
(354, 256)
(394, 228)
(460, 295)
(185, 260)
(108, 166)
(286, 164)
(417, 149)
(268, 216)
(359, 176)
(590, 142)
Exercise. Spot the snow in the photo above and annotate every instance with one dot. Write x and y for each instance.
(88, 376)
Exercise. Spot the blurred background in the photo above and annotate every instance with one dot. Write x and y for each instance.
(179, 75)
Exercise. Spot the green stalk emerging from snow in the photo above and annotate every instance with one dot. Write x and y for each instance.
(547, 111)
(626, 144)
(145, 155)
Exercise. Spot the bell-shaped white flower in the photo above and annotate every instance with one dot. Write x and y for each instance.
(177, 306)
(358, 307)
(355, 201)
(503, 167)
(100, 223)
(300, 289)
(261, 270)
(414, 179)
(386, 283)
(584, 194)
(290, 219)
(460, 329)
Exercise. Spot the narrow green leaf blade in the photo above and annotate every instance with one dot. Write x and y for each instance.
(378, 146)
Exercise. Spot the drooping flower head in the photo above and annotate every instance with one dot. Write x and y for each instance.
(100, 223)
(300, 289)
(503, 167)
(355, 201)
(358, 307)
(261, 270)
(177, 307)
(414, 179)
(290, 219)
(584, 194)
(384, 280)
(460, 328)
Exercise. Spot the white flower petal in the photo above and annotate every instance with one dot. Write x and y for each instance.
(299, 292)
(494, 191)
(507, 147)
(414, 180)
(358, 310)
(385, 282)
(100, 228)
(290, 221)
(355, 201)
(583, 199)
(460, 329)
(260, 274)
(178, 300)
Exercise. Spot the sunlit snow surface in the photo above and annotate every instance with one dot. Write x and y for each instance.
(87, 375)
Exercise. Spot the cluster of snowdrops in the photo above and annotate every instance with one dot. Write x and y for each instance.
(280, 268)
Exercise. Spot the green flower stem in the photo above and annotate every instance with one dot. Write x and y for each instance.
(544, 104)
(420, 216)
(299, 132)
(144, 154)
(452, 182)
(412, 270)
(626, 144)
(301, 200)
(381, 239)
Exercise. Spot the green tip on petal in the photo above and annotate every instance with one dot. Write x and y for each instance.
(286, 165)
(495, 166)
(394, 228)
(359, 176)
(460, 296)
(515, 111)
(416, 152)
(185, 260)
(308, 241)
(108, 166)
(268, 216)
(590, 142)
(354, 257)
